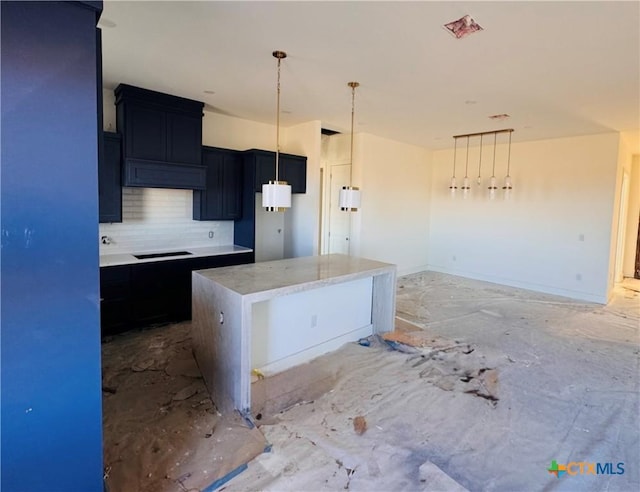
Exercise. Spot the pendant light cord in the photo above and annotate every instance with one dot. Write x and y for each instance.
(353, 112)
(466, 166)
(455, 148)
(493, 171)
(353, 86)
(480, 161)
(278, 123)
(509, 157)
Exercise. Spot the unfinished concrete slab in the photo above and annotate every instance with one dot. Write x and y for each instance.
(568, 390)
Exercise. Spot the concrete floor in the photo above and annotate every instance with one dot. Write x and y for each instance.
(568, 390)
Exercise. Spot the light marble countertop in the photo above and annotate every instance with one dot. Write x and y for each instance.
(130, 259)
(289, 275)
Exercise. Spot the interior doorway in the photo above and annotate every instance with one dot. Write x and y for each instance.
(339, 222)
(622, 226)
(636, 271)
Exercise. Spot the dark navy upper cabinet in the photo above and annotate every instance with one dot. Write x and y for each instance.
(222, 199)
(162, 139)
(109, 179)
(293, 169)
(145, 133)
(184, 138)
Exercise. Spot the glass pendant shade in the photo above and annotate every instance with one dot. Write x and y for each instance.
(276, 196)
(508, 186)
(492, 187)
(453, 186)
(349, 199)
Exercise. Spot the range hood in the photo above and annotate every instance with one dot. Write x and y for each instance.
(161, 139)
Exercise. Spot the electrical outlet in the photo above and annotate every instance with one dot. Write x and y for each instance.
(454, 258)
(578, 276)
(210, 234)
(314, 321)
(581, 237)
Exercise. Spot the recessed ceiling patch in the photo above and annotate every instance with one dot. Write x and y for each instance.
(463, 27)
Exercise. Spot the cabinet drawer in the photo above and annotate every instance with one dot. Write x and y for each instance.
(115, 282)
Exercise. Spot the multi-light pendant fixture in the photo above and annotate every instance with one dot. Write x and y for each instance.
(493, 186)
(350, 195)
(276, 195)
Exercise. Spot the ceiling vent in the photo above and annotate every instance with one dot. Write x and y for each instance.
(463, 27)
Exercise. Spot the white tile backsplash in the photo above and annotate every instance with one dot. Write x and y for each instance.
(158, 219)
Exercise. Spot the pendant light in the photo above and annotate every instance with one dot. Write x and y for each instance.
(453, 187)
(479, 179)
(276, 195)
(508, 185)
(492, 181)
(350, 195)
(465, 182)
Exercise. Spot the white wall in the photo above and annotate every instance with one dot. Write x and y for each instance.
(554, 235)
(228, 132)
(393, 223)
(302, 221)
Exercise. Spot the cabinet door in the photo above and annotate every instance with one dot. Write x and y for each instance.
(115, 299)
(184, 138)
(232, 187)
(109, 180)
(146, 133)
(222, 199)
(157, 292)
(207, 204)
(265, 163)
(294, 171)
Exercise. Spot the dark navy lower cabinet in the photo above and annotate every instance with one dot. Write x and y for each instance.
(115, 299)
(222, 198)
(109, 179)
(153, 293)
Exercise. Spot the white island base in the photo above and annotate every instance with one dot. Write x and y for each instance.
(270, 316)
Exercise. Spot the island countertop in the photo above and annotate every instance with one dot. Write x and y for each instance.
(293, 274)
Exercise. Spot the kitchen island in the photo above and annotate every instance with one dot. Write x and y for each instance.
(270, 316)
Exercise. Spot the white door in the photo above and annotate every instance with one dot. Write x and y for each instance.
(269, 233)
(339, 221)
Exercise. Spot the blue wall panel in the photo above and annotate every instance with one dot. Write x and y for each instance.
(51, 419)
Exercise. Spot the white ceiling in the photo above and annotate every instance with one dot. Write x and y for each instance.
(557, 68)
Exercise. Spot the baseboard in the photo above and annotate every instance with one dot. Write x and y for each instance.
(545, 289)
